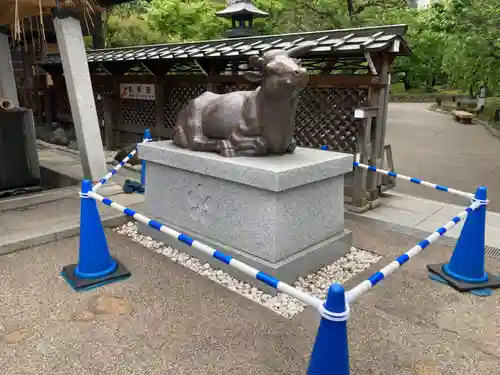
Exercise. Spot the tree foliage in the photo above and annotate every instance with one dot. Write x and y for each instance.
(454, 42)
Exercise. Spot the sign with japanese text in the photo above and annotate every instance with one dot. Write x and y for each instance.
(140, 91)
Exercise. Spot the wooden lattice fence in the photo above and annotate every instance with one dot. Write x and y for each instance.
(325, 115)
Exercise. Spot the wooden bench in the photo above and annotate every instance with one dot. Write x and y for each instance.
(463, 117)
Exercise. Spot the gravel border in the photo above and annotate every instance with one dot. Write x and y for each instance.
(316, 284)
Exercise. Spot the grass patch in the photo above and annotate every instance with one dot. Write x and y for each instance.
(488, 114)
(422, 94)
(398, 88)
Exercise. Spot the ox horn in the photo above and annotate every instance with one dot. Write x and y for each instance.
(302, 48)
(256, 62)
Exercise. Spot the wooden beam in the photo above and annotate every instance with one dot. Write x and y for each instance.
(371, 64)
(119, 68)
(328, 66)
(136, 78)
(366, 112)
(158, 67)
(345, 81)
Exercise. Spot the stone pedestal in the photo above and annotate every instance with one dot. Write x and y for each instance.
(281, 214)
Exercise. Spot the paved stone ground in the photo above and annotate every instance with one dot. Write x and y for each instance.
(409, 325)
(169, 320)
(164, 320)
(434, 147)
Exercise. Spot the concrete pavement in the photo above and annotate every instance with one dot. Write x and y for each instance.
(434, 147)
(428, 215)
(409, 325)
(166, 319)
(163, 320)
(34, 219)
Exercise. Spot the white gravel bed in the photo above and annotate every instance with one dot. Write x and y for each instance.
(316, 284)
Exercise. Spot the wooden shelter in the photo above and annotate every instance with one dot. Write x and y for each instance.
(146, 86)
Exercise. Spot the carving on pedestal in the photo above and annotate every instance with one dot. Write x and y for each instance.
(198, 203)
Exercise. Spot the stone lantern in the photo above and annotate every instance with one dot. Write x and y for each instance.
(242, 14)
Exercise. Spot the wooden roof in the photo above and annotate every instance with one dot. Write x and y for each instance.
(331, 43)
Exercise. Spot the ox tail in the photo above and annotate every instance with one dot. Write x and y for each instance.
(179, 135)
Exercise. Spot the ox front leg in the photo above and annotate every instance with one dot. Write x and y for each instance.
(292, 147)
(248, 146)
(202, 143)
(226, 148)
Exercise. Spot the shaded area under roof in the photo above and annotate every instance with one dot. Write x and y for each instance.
(331, 43)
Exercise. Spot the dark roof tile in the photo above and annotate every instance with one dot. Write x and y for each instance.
(343, 42)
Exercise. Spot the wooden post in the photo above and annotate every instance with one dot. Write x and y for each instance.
(98, 40)
(378, 133)
(47, 108)
(385, 106)
(109, 104)
(368, 116)
(39, 107)
(159, 103)
(29, 77)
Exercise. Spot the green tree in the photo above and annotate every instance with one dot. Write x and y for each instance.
(472, 56)
(457, 41)
(184, 20)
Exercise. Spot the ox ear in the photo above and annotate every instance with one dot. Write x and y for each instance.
(255, 62)
(302, 49)
(254, 77)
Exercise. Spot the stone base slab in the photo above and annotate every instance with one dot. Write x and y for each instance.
(304, 262)
(370, 205)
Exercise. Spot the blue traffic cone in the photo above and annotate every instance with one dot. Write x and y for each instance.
(466, 269)
(95, 265)
(324, 148)
(147, 136)
(330, 354)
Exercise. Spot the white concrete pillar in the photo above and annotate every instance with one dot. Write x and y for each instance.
(8, 87)
(81, 96)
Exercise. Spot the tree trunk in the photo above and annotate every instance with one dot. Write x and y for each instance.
(407, 83)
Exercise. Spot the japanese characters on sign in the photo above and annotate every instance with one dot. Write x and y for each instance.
(140, 91)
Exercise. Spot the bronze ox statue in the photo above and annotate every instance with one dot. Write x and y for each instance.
(249, 123)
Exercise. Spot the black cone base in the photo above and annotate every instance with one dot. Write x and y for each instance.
(463, 286)
(79, 284)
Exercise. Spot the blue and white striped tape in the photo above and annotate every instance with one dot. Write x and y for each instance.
(377, 277)
(415, 180)
(125, 160)
(246, 269)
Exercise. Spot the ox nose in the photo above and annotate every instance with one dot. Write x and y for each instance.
(297, 72)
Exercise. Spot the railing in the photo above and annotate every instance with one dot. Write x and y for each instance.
(414, 180)
(330, 353)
